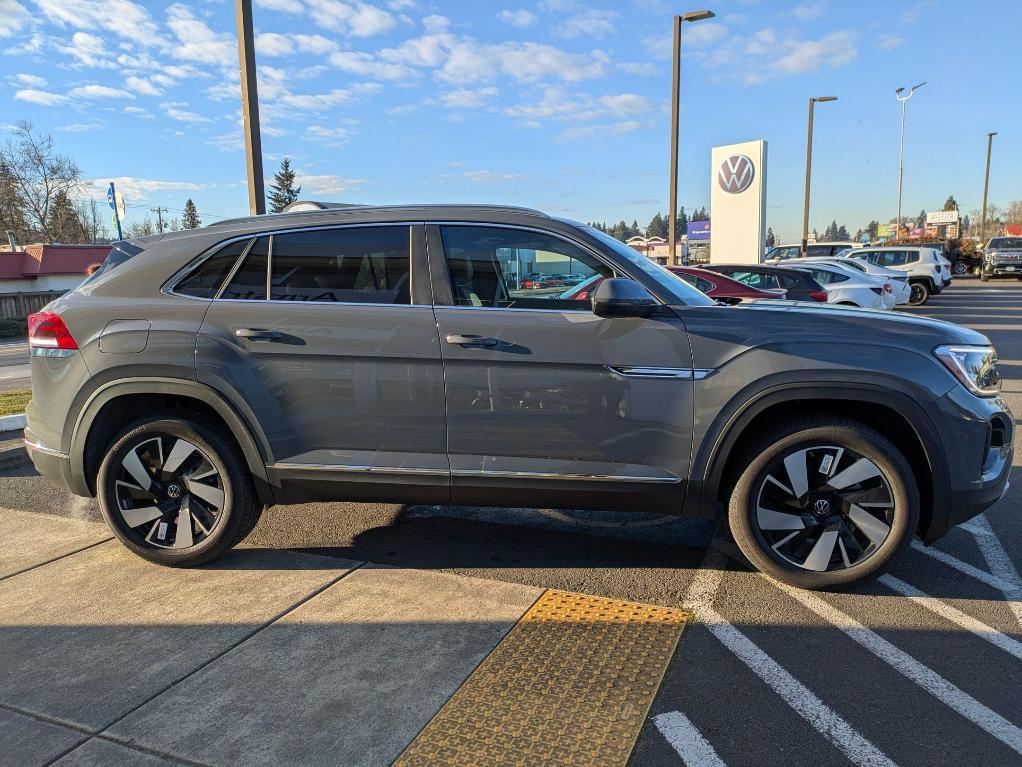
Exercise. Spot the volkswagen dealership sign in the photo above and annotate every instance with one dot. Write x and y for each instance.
(735, 174)
(738, 202)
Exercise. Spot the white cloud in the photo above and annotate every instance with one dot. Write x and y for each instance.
(142, 86)
(122, 17)
(197, 42)
(625, 104)
(809, 11)
(81, 127)
(138, 112)
(357, 19)
(591, 23)
(285, 6)
(99, 92)
(833, 50)
(273, 44)
(316, 102)
(139, 188)
(526, 62)
(888, 42)
(326, 184)
(89, 51)
(28, 46)
(315, 44)
(13, 17)
(42, 98)
(176, 111)
(643, 68)
(328, 135)
(367, 65)
(489, 176)
(32, 81)
(585, 131)
(467, 98)
(517, 18)
(227, 142)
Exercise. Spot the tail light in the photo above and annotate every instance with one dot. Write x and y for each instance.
(887, 288)
(819, 295)
(47, 330)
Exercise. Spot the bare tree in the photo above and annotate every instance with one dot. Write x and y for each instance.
(143, 228)
(1013, 213)
(41, 177)
(94, 228)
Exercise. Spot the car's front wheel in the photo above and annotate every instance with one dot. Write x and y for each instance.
(824, 503)
(176, 492)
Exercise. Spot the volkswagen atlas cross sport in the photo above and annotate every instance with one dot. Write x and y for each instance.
(393, 354)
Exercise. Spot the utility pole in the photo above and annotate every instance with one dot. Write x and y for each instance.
(986, 185)
(809, 171)
(159, 217)
(672, 221)
(250, 108)
(901, 150)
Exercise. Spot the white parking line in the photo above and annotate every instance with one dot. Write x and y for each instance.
(824, 719)
(998, 561)
(963, 567)
(967, 622)
(953, 697)
(692, 747)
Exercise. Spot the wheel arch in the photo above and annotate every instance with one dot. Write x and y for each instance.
(135, 398)
(895, 415)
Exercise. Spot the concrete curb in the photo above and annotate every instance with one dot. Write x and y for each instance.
(12, 422)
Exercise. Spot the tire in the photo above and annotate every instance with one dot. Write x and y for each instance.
(833, 544)
(920, 294)
(177, 461)
(960, 268)
(984, 278)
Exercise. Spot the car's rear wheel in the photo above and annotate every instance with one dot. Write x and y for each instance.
(920, 294)
(960, 267)
(984, 278)
(824, 503)
(176, 492)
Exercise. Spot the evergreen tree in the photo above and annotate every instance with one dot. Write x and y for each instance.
(283, 191)
(190, 219)
(950, 203)
(921, 219)
(63, 223)
(770, 239)
(842, 234)
(682, 224)
(656, 225)
(633, 231)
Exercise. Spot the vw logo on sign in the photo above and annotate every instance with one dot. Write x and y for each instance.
(735, 174)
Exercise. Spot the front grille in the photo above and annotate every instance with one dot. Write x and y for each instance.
(1013, 257)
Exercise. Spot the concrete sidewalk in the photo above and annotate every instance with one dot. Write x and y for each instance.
(279, 657)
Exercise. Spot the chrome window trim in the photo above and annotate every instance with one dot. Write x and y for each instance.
(184, 271)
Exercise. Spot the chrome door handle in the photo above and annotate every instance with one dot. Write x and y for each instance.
(258, 334)
(469, 340)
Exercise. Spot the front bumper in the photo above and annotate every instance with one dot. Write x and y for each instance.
(1003, 270)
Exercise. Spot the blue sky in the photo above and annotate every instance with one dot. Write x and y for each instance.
(562, 105)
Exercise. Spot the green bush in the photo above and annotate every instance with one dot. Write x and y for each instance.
(11, 327)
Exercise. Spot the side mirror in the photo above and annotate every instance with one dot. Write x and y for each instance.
(621, 297)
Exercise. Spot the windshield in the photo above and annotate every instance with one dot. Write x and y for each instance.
(1006, 243)
(681, 290)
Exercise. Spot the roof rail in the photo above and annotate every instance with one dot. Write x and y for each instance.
(311, 207)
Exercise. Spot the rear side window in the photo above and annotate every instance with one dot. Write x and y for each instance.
(249, 282)
(356, 265)
(207, 278)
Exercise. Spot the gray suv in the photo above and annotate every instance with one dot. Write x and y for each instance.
(394, 354)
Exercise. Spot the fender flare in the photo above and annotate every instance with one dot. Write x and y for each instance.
(708, 463)
(252, 442)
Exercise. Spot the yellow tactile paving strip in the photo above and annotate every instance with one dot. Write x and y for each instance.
(571, 684)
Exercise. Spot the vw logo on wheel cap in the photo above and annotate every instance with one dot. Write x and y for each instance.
(822, 506)
(735, 173)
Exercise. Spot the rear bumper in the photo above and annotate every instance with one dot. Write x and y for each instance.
(53, 464)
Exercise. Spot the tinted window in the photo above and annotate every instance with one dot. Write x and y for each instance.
(513, 268)
(357, 265)
(825, 277)
(788, 281)
(249, 282)
(818, 250)
(698, 283)
(206, 280)
(755, 279)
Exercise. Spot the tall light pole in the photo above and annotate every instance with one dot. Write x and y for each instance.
(250, 108)
(809, 169)
(672, 219)
(898, 94)
(986, 185)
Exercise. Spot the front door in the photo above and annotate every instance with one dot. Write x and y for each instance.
(318, 338)
(542, 392)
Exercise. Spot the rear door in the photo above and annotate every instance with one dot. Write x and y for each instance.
(319, 337)
(543, 393)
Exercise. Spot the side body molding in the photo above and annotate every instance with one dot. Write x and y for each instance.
(242, 425)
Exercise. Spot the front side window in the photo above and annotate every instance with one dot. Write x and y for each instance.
(753, 279)
(351, 265)
(518, 269)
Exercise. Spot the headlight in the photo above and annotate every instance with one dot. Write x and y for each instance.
(974, 366)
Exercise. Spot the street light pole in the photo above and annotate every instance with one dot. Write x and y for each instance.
(250, 108)
(901, 151)
(672, 219)
(809, 171)
(986, 185)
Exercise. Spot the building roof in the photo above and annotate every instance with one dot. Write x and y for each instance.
(50, 258)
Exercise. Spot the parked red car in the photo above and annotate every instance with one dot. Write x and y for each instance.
(718, 286)
(712, 284)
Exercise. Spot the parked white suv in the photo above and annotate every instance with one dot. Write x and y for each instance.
(899, 280)
(783, 253)
(847, 286)
(927, 269)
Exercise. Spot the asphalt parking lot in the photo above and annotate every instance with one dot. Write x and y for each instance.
(922, 668)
